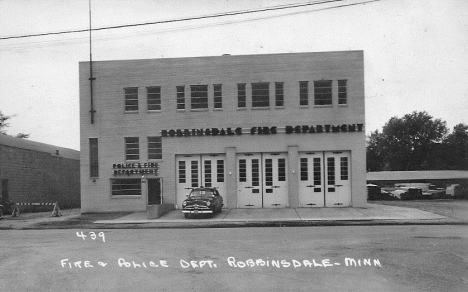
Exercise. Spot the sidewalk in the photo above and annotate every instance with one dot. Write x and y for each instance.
(370, 215)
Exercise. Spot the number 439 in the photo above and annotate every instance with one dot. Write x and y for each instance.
(92, 235)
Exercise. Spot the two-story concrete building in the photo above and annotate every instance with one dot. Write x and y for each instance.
(269, 131)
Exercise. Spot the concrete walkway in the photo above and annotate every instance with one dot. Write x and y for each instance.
(372, 213)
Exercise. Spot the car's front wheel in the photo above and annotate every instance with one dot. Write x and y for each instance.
(187, 216)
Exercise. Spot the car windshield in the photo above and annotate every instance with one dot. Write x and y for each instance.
(201, 194)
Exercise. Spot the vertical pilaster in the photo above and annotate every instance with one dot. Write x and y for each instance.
(167, 171)
(358, 176)
(293, 176)
(230, 197)
(144, 189)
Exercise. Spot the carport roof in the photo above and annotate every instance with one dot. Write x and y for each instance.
(417, 175)
(37, 146)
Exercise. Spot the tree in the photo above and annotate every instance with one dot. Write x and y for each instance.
(456, 145)
(22, 135)
(374, 152)
(406, 143)
(4, 124)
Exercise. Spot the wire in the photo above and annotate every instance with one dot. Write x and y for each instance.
(280, 7)
(81, 40)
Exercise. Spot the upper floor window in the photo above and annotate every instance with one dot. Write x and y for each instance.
(241, 96)
(260, 94)
(154, 98)
(342, 92)
(303, 93)
(131, 99)
(93, 158)
(199, 96)
(218, 96)
(323, 92)
(279, 94)
(132, 148)
(154, 148)
(180, 97)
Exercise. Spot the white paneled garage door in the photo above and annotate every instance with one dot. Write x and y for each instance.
(262, 180)
(199, 170)
(311, 187)
(324, 179)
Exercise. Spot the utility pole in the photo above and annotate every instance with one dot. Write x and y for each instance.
(91, 78)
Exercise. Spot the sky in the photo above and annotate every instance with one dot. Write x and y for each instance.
(415, 51)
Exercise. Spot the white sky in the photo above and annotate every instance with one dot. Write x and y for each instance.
(416, 52)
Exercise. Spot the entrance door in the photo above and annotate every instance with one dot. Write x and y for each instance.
(311, 187)
(249, 189)
(337, 179)
(213, 172)
(188, 175)
(275, 184)
(154, 191)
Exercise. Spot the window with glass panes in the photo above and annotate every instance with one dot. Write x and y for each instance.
(93, 158)
(199, 96)
(241, 95)
(342, 92)
(260, 94)
(279, 94)
(303, 93)
(323, 92)
(132, 148)
(131, 99)
(153, 96)
(180, 97)
(217, 96)
(154, 148)
(126, 187)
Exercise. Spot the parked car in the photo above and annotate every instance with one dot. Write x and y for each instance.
(454, 191)
(202, 201)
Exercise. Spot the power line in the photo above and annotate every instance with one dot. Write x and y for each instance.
(280, 7)
(190, 27)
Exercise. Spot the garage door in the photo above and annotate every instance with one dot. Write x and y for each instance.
(311, 187)
(324, 179)
(337, 179)
(199, 170)
(262, 180)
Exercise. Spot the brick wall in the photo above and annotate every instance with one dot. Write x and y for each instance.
(40, 177)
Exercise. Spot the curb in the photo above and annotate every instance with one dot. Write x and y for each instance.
(237, 224)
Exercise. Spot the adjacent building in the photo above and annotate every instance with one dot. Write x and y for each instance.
(269, 131)
(33, 172)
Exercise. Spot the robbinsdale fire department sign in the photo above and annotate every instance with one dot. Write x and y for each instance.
(305, 129)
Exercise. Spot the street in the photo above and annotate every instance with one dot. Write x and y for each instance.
(347, 258)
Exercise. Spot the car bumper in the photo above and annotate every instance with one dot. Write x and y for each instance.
(197, 211)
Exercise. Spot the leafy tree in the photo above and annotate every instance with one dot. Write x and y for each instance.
(374, 152)
(456, 148)
(406, 143)
(4, 124)
(22, 135)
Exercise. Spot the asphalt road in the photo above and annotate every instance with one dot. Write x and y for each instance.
(348, 258)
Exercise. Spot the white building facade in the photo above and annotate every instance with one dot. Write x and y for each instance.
(269, 131)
